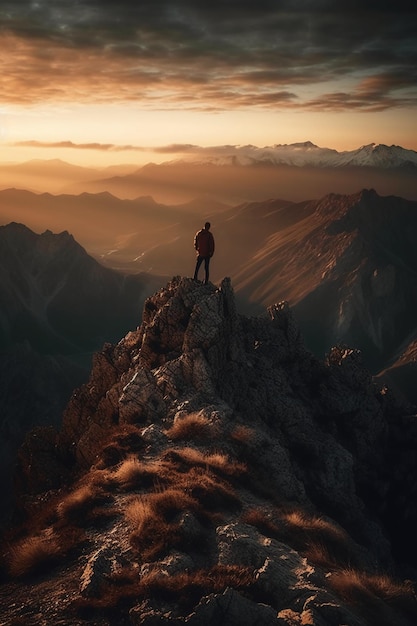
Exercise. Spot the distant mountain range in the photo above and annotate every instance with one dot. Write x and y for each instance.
(232, 174)
(307, 154)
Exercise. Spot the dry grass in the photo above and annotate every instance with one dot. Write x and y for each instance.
(188, 456)
(165, 504)
(122, 442)
(242, 434)
(38, 553)
(134, 474)
(33, 555)
(321, 541)
(377, 598)
(154, 518)
(263, 522)
(184, 457)
(212, 493)
(130, 474)
(185, 589)
(77, 506)
(192, 427)
(222, 463)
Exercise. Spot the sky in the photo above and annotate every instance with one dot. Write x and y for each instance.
(100, 82)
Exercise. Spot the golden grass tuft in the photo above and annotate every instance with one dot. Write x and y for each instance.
(77, 505)
(138, 511)
(191, 427)
(378, 598)
(154, 520)
(165, 504)
(321, 541)
(242, 434)
(131, 473)
(39, 553)
(184, 588)
(219, 461)
(212, 493)
(122, 441)
(222, 462)
(33, 555)
(313, 526)
(187, 588)
(263, 522)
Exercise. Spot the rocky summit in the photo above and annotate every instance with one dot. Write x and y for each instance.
(213, 471)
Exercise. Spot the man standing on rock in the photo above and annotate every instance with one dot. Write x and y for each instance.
(204, 244)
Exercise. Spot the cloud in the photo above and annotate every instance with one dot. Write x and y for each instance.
(225, 54)
(105, 147)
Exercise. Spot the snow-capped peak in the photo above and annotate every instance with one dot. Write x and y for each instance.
(304, 154)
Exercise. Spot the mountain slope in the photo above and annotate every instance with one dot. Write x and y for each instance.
(58, 305)
(348, 267)
(59, 298)
(213, 471)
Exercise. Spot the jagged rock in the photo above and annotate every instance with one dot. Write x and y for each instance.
(99, 567)
(174, 563)
(141, 400)
(146, 614)
(280, 571)
(319, 610)
(231, 609)
(153, 434)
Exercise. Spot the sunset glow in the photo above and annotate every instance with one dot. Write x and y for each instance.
(110, 82)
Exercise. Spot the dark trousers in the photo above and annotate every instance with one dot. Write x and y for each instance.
(206, 260)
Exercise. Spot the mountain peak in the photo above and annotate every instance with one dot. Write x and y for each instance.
(225, 459)
(304, 144)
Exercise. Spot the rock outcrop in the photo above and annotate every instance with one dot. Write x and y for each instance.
(220, 473)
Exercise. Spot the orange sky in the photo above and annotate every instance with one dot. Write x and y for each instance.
(109, 82)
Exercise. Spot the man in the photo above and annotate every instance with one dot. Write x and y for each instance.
(204, 244)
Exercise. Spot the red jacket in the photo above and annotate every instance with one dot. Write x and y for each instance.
(204, 243)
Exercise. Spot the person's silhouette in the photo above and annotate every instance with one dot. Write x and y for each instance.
(204, 245)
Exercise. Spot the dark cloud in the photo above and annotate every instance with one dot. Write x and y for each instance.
(249, 53)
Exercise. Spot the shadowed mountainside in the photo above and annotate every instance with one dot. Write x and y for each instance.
(212, 470)
(348, 266)
(58, 306)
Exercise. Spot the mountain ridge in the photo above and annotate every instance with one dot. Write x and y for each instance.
(213, 471)
(307, 154)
